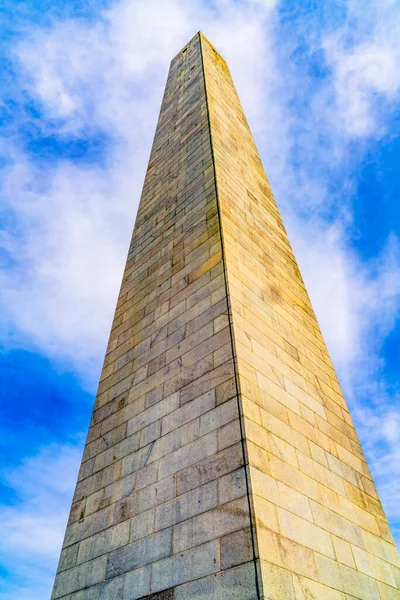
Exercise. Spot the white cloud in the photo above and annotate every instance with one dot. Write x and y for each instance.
(75, 235)
(364, 55)
(32, 528)
(379, 427)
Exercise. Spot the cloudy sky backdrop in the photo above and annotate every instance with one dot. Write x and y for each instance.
(81, 86)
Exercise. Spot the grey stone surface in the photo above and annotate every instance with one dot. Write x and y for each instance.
(142, 525)
(190, 411)
(109, 590)
(165, 445)
(119, 450)
(188, 505)
(153, 413)
(232, 486)
(150, 433)
(219, 417)
(79, 577)
(137, 583)
(236, 548)
(155, 494)
(188, 455)
(185, 566)
(212, 524)
(142, 552)
(164, 595)
(211, 468)
(68, 558)
(89, 526)
(146, 476)
(104, 542)
(237, 583)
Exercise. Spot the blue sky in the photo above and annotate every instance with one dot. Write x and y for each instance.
(81, 84)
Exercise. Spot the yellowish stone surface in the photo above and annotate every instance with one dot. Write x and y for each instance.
(303, 453)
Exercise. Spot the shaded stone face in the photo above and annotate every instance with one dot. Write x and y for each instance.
(221, 461)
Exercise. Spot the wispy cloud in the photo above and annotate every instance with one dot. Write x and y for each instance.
(32, 527)
(364, 55)
(379, 428)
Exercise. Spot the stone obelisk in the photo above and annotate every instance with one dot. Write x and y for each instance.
(221, 461)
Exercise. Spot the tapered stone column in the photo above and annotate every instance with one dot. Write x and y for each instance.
(221, 460)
